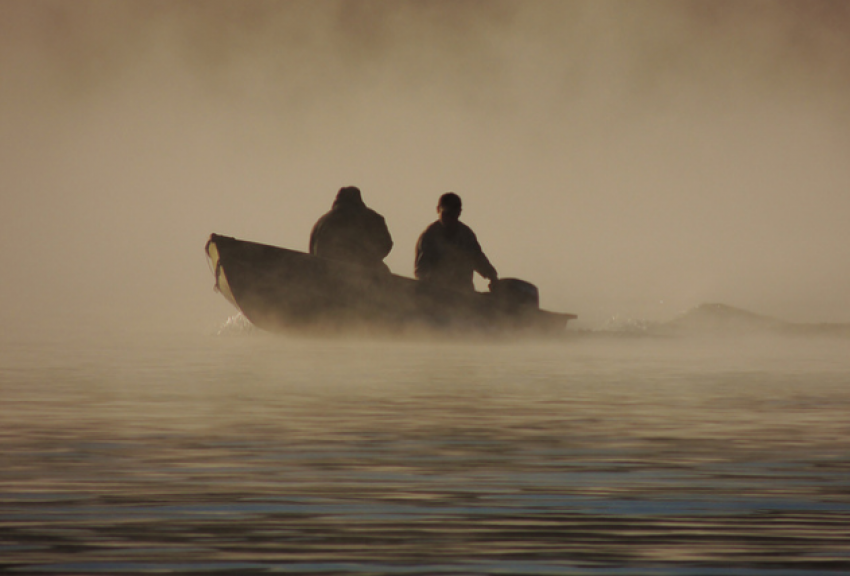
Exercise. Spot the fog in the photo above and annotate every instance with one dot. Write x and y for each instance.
(632, 158)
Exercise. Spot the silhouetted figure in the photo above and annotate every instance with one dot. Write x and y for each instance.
(448, 252)
(351, 232)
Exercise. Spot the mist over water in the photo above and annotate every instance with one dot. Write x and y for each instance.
(254, 453)
(631, 159)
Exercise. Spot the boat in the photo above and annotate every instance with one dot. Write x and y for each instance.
(283, 290)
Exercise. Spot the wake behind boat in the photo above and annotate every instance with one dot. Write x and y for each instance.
(281, 290)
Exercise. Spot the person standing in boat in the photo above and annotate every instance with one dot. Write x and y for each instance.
(352, 232)
(448, 252)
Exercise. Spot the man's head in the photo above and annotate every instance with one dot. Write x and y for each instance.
(449, 208)
(348, 195)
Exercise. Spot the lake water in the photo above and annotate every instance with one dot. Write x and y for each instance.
(596, 453)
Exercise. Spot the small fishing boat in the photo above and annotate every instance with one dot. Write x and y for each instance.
(282, 290)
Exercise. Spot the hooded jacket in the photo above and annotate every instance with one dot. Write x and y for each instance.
(351, 232)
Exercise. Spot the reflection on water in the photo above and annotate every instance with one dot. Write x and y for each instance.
(591, 455)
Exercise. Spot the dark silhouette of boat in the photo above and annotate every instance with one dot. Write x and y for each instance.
(282, 290)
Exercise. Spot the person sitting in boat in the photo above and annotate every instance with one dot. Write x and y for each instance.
(352, 232)
(448, 252)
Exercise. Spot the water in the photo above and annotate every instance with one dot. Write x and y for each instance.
(600, 453)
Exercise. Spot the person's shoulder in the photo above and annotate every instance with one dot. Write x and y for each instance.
(374, 214)
(323, 218)
(465, 229)
(431, 230)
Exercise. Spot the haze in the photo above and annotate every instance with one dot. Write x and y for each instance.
(631, 158)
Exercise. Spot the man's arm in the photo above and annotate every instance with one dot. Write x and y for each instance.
(383, 237)
(424, 261)
(483, 267)
(481, 263)
(314, 236)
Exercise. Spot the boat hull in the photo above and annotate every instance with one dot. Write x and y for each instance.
(282, 290)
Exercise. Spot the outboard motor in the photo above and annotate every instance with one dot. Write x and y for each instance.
(513, 293)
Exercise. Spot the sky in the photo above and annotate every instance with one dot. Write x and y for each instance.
(632, 158)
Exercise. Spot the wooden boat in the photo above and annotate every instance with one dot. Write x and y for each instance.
(285, 290)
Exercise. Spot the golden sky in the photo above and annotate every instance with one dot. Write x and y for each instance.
(630, 157)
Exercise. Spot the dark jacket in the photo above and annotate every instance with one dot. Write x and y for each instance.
(449, 258)
(351, 232)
